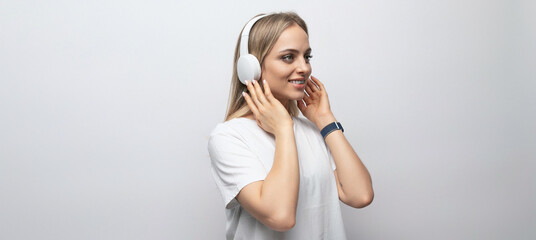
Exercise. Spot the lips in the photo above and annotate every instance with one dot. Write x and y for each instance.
(297, 81)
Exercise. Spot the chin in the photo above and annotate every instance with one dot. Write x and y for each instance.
(297, 96)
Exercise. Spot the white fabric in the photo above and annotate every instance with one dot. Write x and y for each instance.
(242, 153)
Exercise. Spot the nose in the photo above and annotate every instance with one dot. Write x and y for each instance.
(303, 67)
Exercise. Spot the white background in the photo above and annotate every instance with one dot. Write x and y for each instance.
(106, 108)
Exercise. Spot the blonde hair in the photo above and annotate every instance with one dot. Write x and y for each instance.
(262, 38)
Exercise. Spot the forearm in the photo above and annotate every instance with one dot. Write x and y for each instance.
(353, 177)
(281, 186)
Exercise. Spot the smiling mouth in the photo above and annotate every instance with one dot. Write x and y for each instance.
(297, 81)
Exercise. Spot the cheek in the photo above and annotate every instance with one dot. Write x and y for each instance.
(277, 74)
(282, 71)
(272, 71)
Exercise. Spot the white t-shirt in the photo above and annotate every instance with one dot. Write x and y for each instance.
(242, 153)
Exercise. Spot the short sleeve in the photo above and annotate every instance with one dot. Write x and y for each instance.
(233, 164)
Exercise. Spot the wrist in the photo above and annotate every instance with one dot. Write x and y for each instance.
(283, 132)
(284, 129)
(322, 122)
(334, 126)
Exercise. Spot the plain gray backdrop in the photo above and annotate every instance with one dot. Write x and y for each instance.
(106, 108)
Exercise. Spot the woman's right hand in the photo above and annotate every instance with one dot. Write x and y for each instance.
(269, 113)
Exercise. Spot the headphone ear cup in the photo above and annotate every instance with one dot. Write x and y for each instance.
(248, 68)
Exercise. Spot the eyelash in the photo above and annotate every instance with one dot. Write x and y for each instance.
(290, 56)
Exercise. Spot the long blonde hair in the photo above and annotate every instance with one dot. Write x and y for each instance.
(262, 38)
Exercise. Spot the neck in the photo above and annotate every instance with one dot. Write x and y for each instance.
(285, 103)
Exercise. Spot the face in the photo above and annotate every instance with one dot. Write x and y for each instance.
(286, 67)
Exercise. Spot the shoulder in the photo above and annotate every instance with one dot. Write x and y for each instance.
(234, 130)
(231, 127)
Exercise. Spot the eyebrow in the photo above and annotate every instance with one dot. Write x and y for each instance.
(294, 50)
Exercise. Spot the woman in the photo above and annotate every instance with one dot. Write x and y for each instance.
(279, 177)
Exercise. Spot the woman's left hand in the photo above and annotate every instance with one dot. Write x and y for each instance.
(317, 109)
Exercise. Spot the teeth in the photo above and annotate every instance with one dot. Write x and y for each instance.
(297, 82)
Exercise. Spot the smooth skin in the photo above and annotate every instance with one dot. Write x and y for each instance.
(273, 201)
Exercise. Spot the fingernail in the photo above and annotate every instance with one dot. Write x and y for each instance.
(247, 82)
(264, 81)
(244, 93)
(254, 82)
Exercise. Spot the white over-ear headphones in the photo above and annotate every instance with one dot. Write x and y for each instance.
(248, 67)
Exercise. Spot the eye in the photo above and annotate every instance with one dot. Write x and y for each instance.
(288, 58)
(308, 57)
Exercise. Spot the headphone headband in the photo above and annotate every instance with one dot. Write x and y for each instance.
(244, 39)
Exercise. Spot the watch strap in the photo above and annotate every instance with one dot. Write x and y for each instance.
(330, 128)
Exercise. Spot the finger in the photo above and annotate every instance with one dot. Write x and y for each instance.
(307, 97)
(318, 83)
(312, 85)
(250, 103)
(260, 94)
(253, 93)
(301, 105)
(306, 93)
(308, 100)
(267, 90)
(308, 89)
